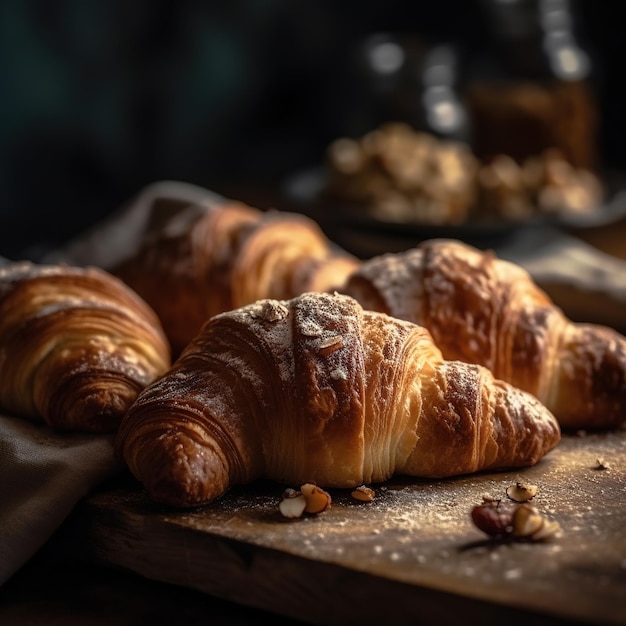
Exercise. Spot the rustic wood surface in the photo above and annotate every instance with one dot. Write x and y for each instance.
(412, 553)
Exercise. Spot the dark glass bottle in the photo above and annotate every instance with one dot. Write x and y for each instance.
(532, 89)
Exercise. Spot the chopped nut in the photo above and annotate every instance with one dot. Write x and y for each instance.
(293, 504)
(526, 521)
(492, 518)
(521, 492)
(317, 500)
(274, 311)
(508, 521)
(364, 494)
(601, 464)
(326, 346)
(549, 528)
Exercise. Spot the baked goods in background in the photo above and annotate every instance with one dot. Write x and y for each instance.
(485, 310)
(226, 256)
(76, 346)
(183, 271)
(397, 174)
(316, 389)
(545, 184)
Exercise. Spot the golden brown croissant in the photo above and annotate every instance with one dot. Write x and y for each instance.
(76, 346)
(185, 273)
(317, 389)
(485, 310)
(228, 256)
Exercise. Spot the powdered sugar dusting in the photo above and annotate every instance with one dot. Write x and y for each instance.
(398, 280)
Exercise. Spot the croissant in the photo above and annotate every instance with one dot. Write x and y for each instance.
(76, 346)
(317, 389)
(184, 273)
(485, 310)
(228, 256)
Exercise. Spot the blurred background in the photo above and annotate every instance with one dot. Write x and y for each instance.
(101, 98)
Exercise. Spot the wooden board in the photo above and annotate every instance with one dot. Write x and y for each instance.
(412, 554)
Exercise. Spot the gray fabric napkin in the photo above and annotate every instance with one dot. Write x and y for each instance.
(43, 475)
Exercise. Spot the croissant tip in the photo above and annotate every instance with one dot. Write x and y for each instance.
(176, 469)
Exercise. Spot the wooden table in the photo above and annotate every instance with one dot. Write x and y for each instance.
(412, 554)
(59, 588)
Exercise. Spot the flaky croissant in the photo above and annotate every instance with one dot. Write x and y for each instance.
(184, 270)
(485, 310)
(76, 346)
(317, 389)
(227, 256)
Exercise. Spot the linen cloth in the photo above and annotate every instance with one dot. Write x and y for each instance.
(43, 475)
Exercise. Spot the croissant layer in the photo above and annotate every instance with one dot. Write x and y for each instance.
(76, 346)
(316, 389)
(484, 310)
(228, 256)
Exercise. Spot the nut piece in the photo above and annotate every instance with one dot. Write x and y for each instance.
(364, 494)
(317, 500)
(273, 311)
(526, 521)
(550, 528)
(601, 464)
(521, 492)
(492, 518)
(293, 504)
(507, 521)
(330, 344)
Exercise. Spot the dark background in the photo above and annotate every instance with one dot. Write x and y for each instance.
(100, 98)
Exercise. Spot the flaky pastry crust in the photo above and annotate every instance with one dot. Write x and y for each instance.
(76, 346)
(315, 389)
(485, 310)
